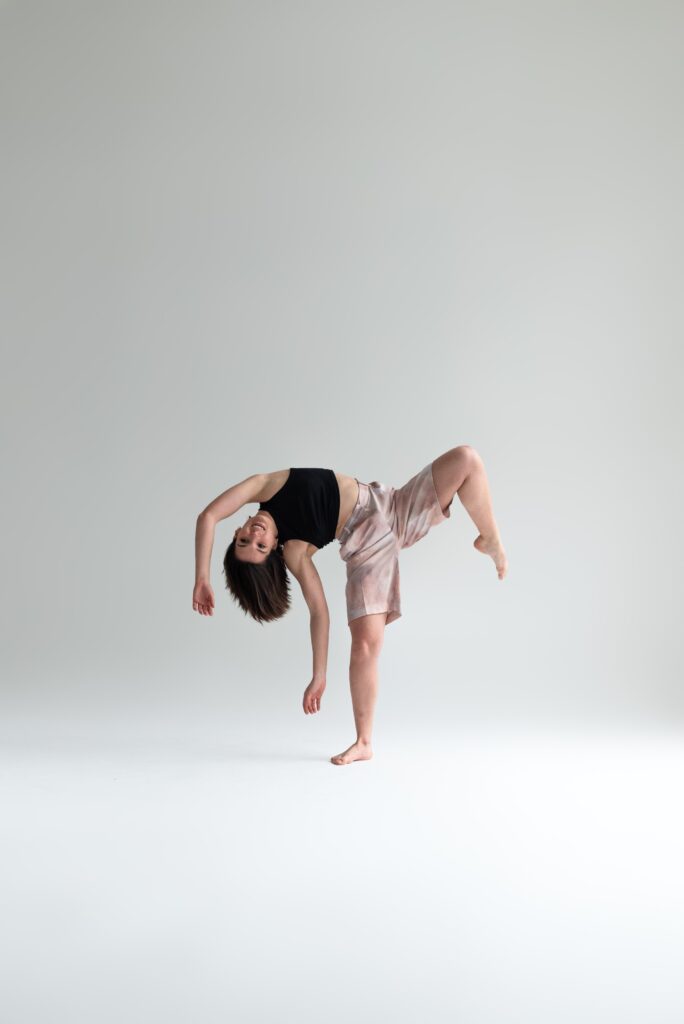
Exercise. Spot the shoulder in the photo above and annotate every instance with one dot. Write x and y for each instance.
(297, 553)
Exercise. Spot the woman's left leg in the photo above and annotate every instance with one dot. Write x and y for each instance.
(368, 633)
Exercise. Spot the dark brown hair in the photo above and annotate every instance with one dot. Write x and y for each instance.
(261, 589)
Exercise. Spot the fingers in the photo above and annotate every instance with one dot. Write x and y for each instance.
(203, 599)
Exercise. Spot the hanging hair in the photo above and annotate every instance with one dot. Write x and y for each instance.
(261, 589)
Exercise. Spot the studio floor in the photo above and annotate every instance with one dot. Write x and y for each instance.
(472, 876)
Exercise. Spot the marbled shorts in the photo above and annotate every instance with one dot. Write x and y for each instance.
(384, 520)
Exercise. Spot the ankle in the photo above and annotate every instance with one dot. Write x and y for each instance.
(363, 742)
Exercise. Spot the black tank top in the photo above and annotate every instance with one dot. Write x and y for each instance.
(307, 506)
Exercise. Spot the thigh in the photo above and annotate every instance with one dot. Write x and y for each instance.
(417, 507)
(373, 584)
(449, 470)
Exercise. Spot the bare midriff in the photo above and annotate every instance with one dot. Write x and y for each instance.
(349, 495)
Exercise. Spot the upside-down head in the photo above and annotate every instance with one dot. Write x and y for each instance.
(255, 570)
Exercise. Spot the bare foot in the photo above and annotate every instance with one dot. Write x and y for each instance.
(357, 752)
(493, 547)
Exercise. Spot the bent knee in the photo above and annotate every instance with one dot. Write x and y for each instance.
(467, 454)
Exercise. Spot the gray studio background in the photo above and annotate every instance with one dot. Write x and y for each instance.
(238, 237)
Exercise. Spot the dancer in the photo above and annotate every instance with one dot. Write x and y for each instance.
(301, 510)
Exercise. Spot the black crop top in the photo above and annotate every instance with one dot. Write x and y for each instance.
(307, 506)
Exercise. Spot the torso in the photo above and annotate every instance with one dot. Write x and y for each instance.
(349, 493)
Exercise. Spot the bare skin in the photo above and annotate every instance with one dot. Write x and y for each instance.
(461, 471)
(367, 638)
(494, 548)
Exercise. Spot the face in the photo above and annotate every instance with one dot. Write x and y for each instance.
(256, 539)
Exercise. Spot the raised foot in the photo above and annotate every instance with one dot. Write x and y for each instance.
(493, 547)
(357, 752)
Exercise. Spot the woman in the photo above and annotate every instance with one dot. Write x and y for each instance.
(302, 510)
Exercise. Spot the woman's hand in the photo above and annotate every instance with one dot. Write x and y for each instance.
(203, 598)
(312, 695)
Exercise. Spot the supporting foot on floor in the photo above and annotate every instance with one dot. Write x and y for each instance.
(358, 751)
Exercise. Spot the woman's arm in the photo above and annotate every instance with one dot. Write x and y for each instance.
(227, 504)
(302, 568)
(319, 627)
(232, 500)
(204, 542)
(202, 594)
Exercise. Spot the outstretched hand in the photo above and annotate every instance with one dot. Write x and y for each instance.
(203, 598)
(312, 696)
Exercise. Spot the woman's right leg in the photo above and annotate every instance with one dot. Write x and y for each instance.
(367, 633)
(461, 471)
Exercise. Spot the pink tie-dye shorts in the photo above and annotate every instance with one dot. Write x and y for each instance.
(384, 520)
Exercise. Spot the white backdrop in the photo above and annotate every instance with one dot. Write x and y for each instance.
(239, 237)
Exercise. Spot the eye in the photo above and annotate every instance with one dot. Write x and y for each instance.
(241, 544)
